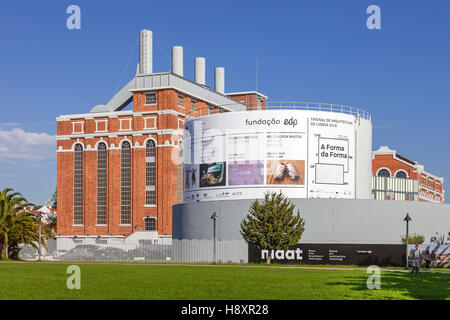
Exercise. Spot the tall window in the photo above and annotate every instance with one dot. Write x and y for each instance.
(193, 102)
(384, 173)
(150, 173)
(150, 224)
(125, 205)
(180, 171)
(101, 183)
(78, 185)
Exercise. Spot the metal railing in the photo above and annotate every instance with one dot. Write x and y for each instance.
(300, 105)
(178, 251)
(318, 106)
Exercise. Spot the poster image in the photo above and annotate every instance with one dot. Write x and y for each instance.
(212, 174)
(242, 173)
(191, 177)
(286, 172)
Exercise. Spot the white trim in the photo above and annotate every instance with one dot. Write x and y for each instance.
(390, 172)
(246, 93)
(106, 125)
(149, 217)
(78, 225)
(173, 132)
(196, 97)
(155, 122)
(395, 174)
(115, 114)
(149, 205)
(430, 190)
(124, 225)
(149, 138)
(85, 236)
(145, 98)
(101, 225)
(122, 141)
(182, 121)
(78, 142)
(182, 100)
(129, 121)
(73, 127)
(98, 142)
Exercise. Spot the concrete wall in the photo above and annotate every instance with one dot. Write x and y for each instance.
(363, 159)
(327, 220)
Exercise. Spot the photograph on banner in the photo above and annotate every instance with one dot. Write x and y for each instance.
(286, 172)
(243, 173)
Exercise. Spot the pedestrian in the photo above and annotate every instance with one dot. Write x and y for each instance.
(416, 256)
(427, 259)
(433, 258)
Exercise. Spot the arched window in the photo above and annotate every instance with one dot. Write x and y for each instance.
(180, 171)
(101, 183)
(150, 223)
(401, 174)
(125, 196)
(150, 173)
(78, 184)
(384, 173)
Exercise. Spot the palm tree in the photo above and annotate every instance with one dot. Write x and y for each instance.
(17, 226)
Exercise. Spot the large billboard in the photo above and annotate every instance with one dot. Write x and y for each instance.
(241, 155)
(338, 254)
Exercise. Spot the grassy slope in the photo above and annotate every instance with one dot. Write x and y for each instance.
(48, 281)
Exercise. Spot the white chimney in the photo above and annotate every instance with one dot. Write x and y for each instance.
(219, 79)
(200, 63)
(177, 60)
(146, 52)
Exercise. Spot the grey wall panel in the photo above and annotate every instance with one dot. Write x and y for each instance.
(327, 220)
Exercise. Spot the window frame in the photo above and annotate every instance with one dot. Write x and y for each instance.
(78, 184)
(102, 185)
(150, 173)
(125, 185)
(155, 98)
(384, 168)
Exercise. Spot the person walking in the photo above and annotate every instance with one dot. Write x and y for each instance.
(427, 259)
(416, 257)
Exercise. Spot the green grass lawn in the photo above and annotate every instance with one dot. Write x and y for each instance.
(116, 281)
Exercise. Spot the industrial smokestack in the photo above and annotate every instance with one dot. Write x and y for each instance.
(200, 63)
(146, 52)
(219, 79)
(177, 60)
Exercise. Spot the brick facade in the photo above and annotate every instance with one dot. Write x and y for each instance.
(163, 122)
(430, 187)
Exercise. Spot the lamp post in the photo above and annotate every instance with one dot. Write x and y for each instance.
(407, 219)
(40, 219)
(214, 217)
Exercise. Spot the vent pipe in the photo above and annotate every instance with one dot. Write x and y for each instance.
(177, 60)
(145, 51)
(200, 63)
(219, 79)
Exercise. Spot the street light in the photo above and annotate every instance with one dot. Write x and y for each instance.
(214, 217)
(407, 219)
(40, 219)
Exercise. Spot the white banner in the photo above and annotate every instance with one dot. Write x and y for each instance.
(242, 155)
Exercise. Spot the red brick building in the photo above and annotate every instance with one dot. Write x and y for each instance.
(398, 178)
(120, 172)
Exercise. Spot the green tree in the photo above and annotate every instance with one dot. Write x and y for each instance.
(272, 224)
(413, 239)
(17, 225)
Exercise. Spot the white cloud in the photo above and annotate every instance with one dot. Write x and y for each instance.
(17, 145)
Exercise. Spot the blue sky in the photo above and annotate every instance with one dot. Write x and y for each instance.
(308, 50)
